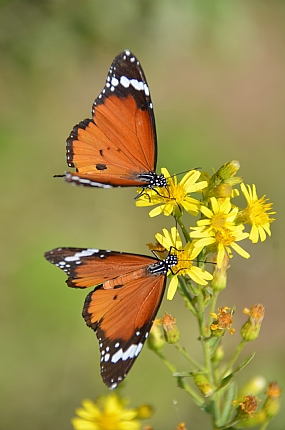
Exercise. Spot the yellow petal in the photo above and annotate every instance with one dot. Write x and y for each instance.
(240, 250)
(79, 424)
(206, 211)
(197, 275)
(156, 211)
(172, 288)
(221, 255)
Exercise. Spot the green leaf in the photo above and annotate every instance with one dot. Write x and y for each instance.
(229, 377)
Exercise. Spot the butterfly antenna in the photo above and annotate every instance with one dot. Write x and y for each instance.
(182, 173)
(58, 176)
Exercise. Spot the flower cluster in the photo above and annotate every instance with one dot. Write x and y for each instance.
(222, 224)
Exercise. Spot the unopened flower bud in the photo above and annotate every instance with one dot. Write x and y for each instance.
(272, 403)
(202, 382)
(220, 184)
(223, 191)
(250, 330)
(218, 354)
(228, 170)
(155, 340)
(171, 332)
(247, 423)
(254, 386)
(219, 281)
(181, 426)
(145, 411)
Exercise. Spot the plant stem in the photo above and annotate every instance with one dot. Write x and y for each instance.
(182, 288)
(197, 399)
(184, 230)
(235, 357)
(185, 355)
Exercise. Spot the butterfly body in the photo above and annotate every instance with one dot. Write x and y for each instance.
(121, 309)
(117, 147)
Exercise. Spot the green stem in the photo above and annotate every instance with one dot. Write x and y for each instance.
(215, 406)
(213, 307)
(184, 230)
(182, 288)
(188, 358)
(197, 399)
(235, 357)
(264, 425)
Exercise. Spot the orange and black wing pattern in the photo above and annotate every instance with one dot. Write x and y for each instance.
(121, 309)
(117, 146)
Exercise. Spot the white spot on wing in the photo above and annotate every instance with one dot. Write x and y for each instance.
(124, 81)
(83, 253)
(114, 81)
(131, 352)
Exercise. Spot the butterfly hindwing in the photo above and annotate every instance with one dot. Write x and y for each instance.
(117, 147)
(122, 318)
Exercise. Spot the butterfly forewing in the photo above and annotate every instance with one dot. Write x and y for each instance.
(118, 144)
(121, 309)
(90, 267)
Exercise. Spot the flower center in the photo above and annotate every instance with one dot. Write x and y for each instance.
(257, 214)
(219, 221)
(184, 263)
(177, 192)
(225, 237)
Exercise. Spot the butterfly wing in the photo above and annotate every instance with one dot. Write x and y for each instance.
(122, 318)
(90, 267)
(122, 307)
(117, 147)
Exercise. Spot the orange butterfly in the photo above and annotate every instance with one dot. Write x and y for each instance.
(121, 309)
(117, 147)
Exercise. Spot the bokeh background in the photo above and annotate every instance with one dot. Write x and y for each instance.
(216, 72)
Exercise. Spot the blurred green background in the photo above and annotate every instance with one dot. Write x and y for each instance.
(216, 72)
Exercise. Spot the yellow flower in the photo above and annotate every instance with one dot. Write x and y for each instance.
(219, 230)
(172, 242)
(256, 213)
(108, 413)
(172, 199)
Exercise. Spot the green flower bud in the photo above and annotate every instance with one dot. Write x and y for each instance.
(258, 418)
(202, 382)
(272, 403)
(219, 281)
(171, 332)
(254, 386)
(228, 170)
(218, 354)
(145, 411)
(250, 330)
(155, 340)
